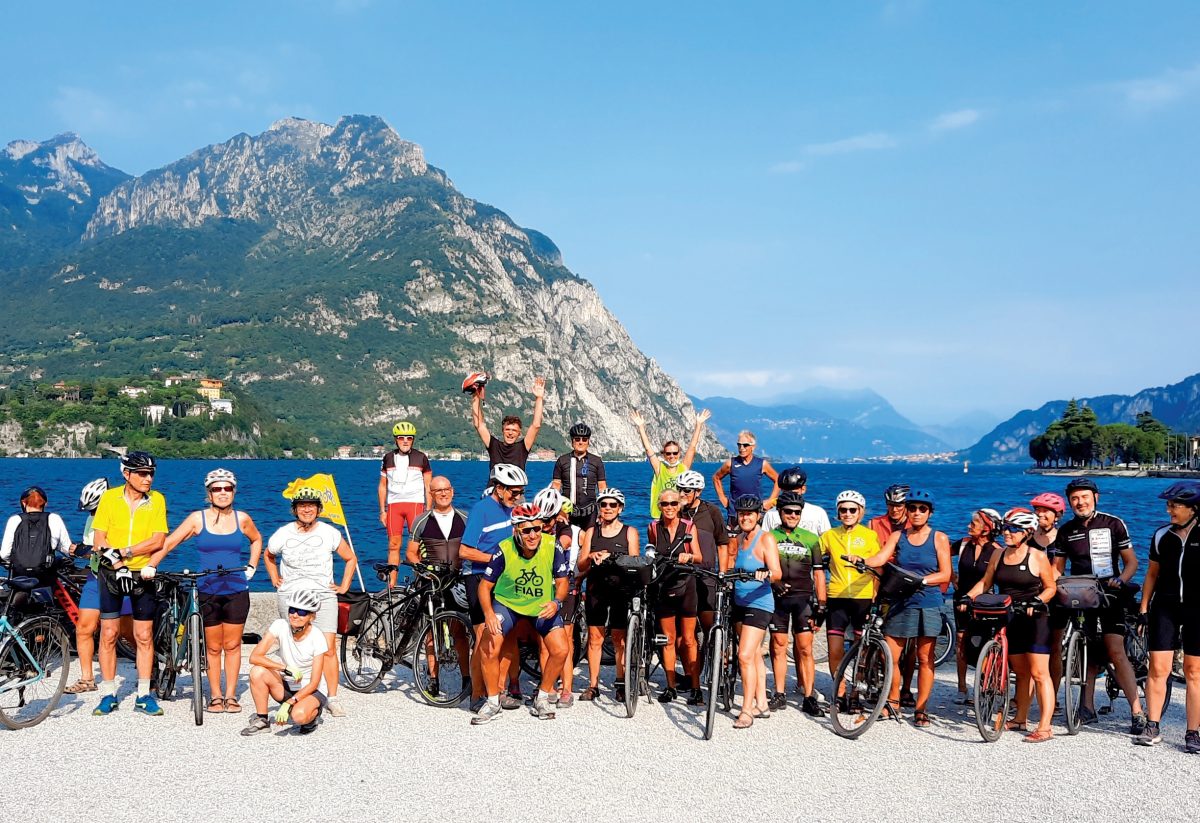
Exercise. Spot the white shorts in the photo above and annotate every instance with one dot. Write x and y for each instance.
(327, 614)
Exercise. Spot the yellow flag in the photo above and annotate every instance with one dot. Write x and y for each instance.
(331, 504)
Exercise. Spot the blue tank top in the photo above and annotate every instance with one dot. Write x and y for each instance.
(921, 560)
(220, 550)
(748, 595)
(745, 478)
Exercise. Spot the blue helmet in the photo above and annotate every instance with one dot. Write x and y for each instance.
(920, 496)
(1186, 492)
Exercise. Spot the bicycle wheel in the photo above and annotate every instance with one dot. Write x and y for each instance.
(166, 657)
(820, 647)
(635, 651)
(943, 647)
(864, 678)
(729, 674)
(27, 696)
(1074, 678)
(368, 655)
(716, 651)
(445, 641)
(991, 691)
(529, 653)
(195, 632)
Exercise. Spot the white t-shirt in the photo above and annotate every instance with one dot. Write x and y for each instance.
(60, 540)
(298, 655)
(812, 519)
(305, 558)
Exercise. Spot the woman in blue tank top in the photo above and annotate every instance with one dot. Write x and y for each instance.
(221, 535)
(753, 604)
(925, 552)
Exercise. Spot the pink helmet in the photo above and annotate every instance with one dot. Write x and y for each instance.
(1049, 500)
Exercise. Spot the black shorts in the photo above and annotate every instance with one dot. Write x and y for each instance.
(795, 609)
(143, 602)
(474, 610)
(679, 602)
(757, 618)
(570, 604)
(845, 613)
(606, 608)
(1096, 621)
(219, 609)
(706, 595)
(1028, 635)
(1172, 625)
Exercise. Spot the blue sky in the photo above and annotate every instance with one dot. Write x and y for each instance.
(960, 205)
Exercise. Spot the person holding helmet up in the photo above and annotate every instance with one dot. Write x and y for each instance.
(1170, 611)
(1096, 543)
(403, 490)
(895, 518)
(850, 591)
(1048, 507)
(974, 553)
(607, 608)
(130, 525)
(221, 534)
(300, 558)
(745, 475)
(511, 449)
(579, 476)
(294, 680)
(525, 582)
(755, 551)
(671, 463)
(814, 519)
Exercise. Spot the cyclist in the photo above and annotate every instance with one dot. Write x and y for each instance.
(974, 552)
(1096, 543)
(511, 449)
(924, 551)
(677, 540)
(404, 490)
(745, 475)
(554, 512)
(850, 591)
(1024, 574)
(814, 519)
(753, 605)
(300, 557)
(130, 525)
(489, 522)
(295, 680)
(525, 582)
(713, 536)
(581, 474)
(35, 518)
(437, 535)
(800, 600)
(221, 534)
(895, 518)
(1171, 608)
(1048, 507)
(605, 604)
(672, 462)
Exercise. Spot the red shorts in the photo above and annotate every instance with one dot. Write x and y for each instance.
(400, 513)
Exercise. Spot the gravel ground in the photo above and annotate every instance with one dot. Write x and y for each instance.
(393, 757)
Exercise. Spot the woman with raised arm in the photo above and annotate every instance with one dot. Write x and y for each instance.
(669, 463)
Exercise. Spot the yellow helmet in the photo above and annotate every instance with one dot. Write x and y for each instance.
(307, 494)
(404, 429)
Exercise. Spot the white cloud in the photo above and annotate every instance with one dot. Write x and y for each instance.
(779, 380)
(87, 112)
(872, 141)
(953, 120)
(736, 379)
(1166, 88)
(787, 167)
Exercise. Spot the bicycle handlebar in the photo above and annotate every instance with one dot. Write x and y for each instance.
(186, 575)
(860, 564)
(734, 575)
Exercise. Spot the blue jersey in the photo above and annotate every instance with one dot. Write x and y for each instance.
(487, 524)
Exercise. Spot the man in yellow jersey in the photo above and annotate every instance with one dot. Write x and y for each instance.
(850, 592)
(526, 581)
(130, 525)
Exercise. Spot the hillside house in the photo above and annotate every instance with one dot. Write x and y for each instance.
(210, 389)
(64, 393)
(345, 451)
(132, 391)
(154, 412)
(221, 406)
(174, 380)
(197, 410)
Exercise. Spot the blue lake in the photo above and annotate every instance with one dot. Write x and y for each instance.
(260, 483)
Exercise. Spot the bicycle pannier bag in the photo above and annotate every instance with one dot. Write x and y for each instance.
(898, 584)
(353, 608)
(1080, 592)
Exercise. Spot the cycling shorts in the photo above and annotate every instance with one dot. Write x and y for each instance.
(845, 613)
(510, 620)
(793, 609)
(1028, 635)
(143, 604)
(1109, 620)
(570, 604)
(327, 613)
(678, 603)
(401, 514)
(1172, 625)
(606, 608)
(756, 618)
(474, 610)
(89, 597)
(224, 609)
(289, 691)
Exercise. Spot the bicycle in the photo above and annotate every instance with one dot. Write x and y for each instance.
(1139, 658)
(179, 634)
(413, 625)
(943, 648)
(642, 640)
(864, 678)
(991, 613)
(35, 659)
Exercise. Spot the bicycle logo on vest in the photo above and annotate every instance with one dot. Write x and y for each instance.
(529, 583)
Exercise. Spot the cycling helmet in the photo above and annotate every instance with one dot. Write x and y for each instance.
(1082, 484)
(306, 599)
(991, 514)
(612, 494)
(506, 474)
(789, 498)
(851, 496)
(307, 494)
(219, 476)
(135, 461)
(920, 496)
(404, 429)
(581, 430)
(459, 592)
(89, 495)
(1049, 500)
(748, 503)
(1024, 520)
(690, 481)
(896, 493)
(792, 478)
(1185, 492)
(525, 513)
(548, 502)
(1016, 510)
(475, 381)
(567, 506)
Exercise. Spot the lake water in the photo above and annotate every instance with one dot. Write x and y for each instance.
(261, 482)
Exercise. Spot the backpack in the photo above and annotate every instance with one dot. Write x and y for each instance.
(32, 550)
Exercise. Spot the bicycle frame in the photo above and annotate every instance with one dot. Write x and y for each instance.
(7, 630)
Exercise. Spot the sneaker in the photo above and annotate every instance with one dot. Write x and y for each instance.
(146, 704)
(777, 701)
(1138, 725)
(1086, 716)
(488, 712)
(619, 692)
(508, 702)
(811, 707)
(477, 704)
(257, 724)
(336, 709)
(108, 705)
(907, 701)
(542, 709)
(683, 682)
(1191, 742)
(565, 699)
(667, 695)
(695, 698)
(307, 728)
(435, 688)
(1149, 734)
(843, 705)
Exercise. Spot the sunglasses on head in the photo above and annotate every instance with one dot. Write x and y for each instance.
(793, 511)
(530, 529)
(221, 489)
(847, 509)
(920, 508)
(298, 612)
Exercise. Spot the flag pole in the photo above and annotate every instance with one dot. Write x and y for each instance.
(357, 565)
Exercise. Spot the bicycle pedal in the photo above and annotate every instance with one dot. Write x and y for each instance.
(660, 640)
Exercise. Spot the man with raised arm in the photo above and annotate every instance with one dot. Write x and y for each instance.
(511, 448)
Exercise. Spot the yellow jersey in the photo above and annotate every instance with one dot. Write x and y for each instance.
(124, 527)
(844, 579)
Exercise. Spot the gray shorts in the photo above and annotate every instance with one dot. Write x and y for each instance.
(913, 622)
(327, 614)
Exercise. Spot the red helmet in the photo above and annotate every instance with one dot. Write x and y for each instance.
(526, 513)
(1049, 500)
(475, 381)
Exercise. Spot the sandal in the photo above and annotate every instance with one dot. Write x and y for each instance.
(1014, 726)
(963, 699)
(740, 724)
(216, 706)
(762, 716)
(589, 693)
(232, 705)
(80, 686)
(1039, 736)
(920, 719)
(891, 711)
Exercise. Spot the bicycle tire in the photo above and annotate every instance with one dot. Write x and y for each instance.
(635, 648)
(195, 632)
(729, 669)
(368, 655)
(716, 650)
(820, 647)
(943, 648)
(31, 702)
(991, 691)
(438, 634)
(869, 666)
(1074, 679)
(166, 656)
(529, 655)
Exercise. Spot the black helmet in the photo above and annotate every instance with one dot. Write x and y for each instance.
(137, 461)
(1186, 492)
(789, 498)
(896, 493)
(581, 430)
(748, 503)
(1082, 484)
(792, 478)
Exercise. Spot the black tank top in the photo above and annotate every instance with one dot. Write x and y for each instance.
(672, 580)
(973, 561)
(1016, 580)
(617, 545)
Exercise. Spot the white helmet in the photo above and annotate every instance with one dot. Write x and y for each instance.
(548, 502)
(89, 495)
(690, 481)
(1021, 520)
(506, 474)
(220, 476)
(612, 494)
(306, 599)
(851, 496)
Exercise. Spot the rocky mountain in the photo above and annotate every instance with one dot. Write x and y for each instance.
(1177, 405)
(341, 281)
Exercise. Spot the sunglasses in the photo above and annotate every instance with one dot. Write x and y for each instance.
(530, 529)
(609, 504)
(919, 508)
(670, 454)
(298, 612)
(580, 439)
(1010, 527)
(516, 490)
(847, 509)
(221, 489)
(795, 512)
(143, 472)
(404, 437)
(744, 445)
(664, 503)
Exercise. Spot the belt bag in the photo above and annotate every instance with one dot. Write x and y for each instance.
(132, 584)
(1079, 592)
(897, 584)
